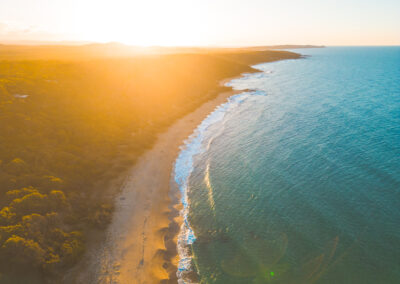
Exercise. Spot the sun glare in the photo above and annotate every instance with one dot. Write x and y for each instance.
(138, 22)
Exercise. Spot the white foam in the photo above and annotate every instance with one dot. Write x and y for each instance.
(193, 146)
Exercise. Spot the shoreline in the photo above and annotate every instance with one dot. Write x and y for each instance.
(140, 244)
(160, 216)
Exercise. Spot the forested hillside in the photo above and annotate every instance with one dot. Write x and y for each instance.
(70, 127)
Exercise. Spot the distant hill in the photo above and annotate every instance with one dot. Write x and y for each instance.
(116, 50)
(292, 46)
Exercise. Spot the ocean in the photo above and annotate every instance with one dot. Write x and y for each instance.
(297, 178)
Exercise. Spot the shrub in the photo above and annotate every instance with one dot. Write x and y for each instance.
(26, 253)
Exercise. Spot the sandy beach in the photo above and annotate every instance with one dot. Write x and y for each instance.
(140, 244)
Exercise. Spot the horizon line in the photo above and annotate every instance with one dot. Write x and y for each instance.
(86, 43)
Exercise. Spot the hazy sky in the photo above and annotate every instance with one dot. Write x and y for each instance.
(204, 22)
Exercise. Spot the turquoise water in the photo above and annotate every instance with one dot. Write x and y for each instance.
(298, 181)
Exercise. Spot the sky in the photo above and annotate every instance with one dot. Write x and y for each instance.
(203, 22)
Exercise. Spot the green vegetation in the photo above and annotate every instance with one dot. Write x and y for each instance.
(68, 128)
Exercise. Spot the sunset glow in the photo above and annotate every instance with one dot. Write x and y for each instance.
(199, 141)
(177, 22)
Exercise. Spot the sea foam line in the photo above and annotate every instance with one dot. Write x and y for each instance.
(183, 168)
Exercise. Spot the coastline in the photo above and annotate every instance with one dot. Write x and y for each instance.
(140, 245)
(149, 253)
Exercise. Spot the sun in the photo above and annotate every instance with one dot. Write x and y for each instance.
(140, 22)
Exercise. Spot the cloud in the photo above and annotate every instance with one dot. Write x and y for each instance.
(17, 32)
